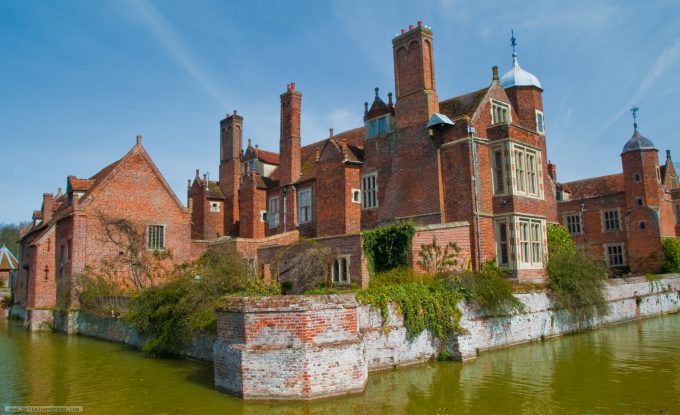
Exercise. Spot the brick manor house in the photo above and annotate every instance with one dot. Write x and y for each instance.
(622, 218)
(472, 169)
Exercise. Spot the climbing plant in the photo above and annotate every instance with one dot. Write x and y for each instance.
(389, 246)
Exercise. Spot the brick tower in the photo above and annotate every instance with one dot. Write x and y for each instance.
(231, 137)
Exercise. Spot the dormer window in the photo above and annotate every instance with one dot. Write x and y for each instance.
(377, 126)
(500, 112)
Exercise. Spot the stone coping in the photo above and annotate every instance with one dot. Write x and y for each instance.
(286, 303)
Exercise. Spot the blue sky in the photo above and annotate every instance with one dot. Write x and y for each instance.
(80, 79)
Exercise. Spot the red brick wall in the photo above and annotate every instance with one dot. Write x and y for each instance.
(291, 105)
(231, 133)
(458, 233)
(252, 201)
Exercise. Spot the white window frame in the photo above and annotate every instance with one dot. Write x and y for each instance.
(500, 243)
(608, 255)
(337, 274)
(500, 110)
(273, 209)
(369, 195)
(606, 221)
(263, 216)
(530, 234)
(540, 126)
(574, 223)
(526, 170)
(356, 195)
(215, 206)
(155, 240)
(305, 211)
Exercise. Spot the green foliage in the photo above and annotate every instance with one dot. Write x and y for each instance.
(98, 294)
(559, 240)
(321, 291)
(489, 290)
(528, 287)
(400, 275)
(9, 235)
(170, 315)
(304, 265)
(389, 246)
(577, 282)
(436, 259)
(671, 255)
(6, 302)
(652, 277)
(424, 306)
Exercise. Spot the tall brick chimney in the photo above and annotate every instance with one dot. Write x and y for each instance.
(414, 76)
(231, 138)
(47, 206)
(289, 144)
(552, 170)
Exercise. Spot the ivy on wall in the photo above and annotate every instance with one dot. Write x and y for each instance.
(389, 246)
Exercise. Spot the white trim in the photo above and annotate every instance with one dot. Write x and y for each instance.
(541, 131)
(604, 223)
(504, 105)
(369, 196)
(578, 215)
(148, 237)
(623, 253)
(301, 192)
(347, 277)
(273, 215)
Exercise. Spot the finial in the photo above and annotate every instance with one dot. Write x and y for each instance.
(494, 73)
(139, 139)
(513, 41)
(330, 132)
(376, 92)
(389, 98)
(634, 111)
(365, 108)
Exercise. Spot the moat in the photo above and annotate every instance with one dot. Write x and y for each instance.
(628, 368)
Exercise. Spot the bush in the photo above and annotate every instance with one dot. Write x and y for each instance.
(98, 294)
(6, 302)
(489, 290)
(400, 275)
(172, 314)
(577, 282)
(432, 306)
(389, 246)
(671, 255)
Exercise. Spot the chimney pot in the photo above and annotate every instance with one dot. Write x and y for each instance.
(250, 142)
(668, 154)
(389, 98)
(197, 174)
(292, 86)
(139, 139)
(420, 23)
(330, 132)
(410, 27)
(403, 31)
(494, 71)
(376, 92)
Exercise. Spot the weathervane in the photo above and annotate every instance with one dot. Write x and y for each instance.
(513, 41)
(634, 111)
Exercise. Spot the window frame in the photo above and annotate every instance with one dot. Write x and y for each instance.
(526, 171)
(498, 172)
(576, 223)
(503, 106)
(503, 243)
(369, 196)
(539, 115)
(608, 255)
(606, 220)
(530, 242)
(155, 237)
(273, 214)
(338, 279)
(308, 208)
(215, 207)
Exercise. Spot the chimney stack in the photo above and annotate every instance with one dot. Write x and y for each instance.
(289, 143)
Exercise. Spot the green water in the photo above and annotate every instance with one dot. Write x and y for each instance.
(630, 368)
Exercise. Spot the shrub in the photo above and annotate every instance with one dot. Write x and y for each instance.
(430, 306)
(304, 266)
(489, 290)
(400, 275)
(577, 282)
(436, 259)
(6, 302)
(170, 315)
(671, 255)
(98, 294)
(389, 246)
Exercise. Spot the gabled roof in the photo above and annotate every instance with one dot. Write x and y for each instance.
(594, 187)
(8, 261)
(464, 105)
(214, 191)
(78, 185)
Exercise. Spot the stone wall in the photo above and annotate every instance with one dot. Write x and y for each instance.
(307, 347)
(117, 330)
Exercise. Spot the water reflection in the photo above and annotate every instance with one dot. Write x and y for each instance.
(630, 368)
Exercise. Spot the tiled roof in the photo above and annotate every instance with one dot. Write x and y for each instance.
(8, 261)
(268, 157)
(594, 187)
(79, 185)
(464, 105)
(214, 191)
